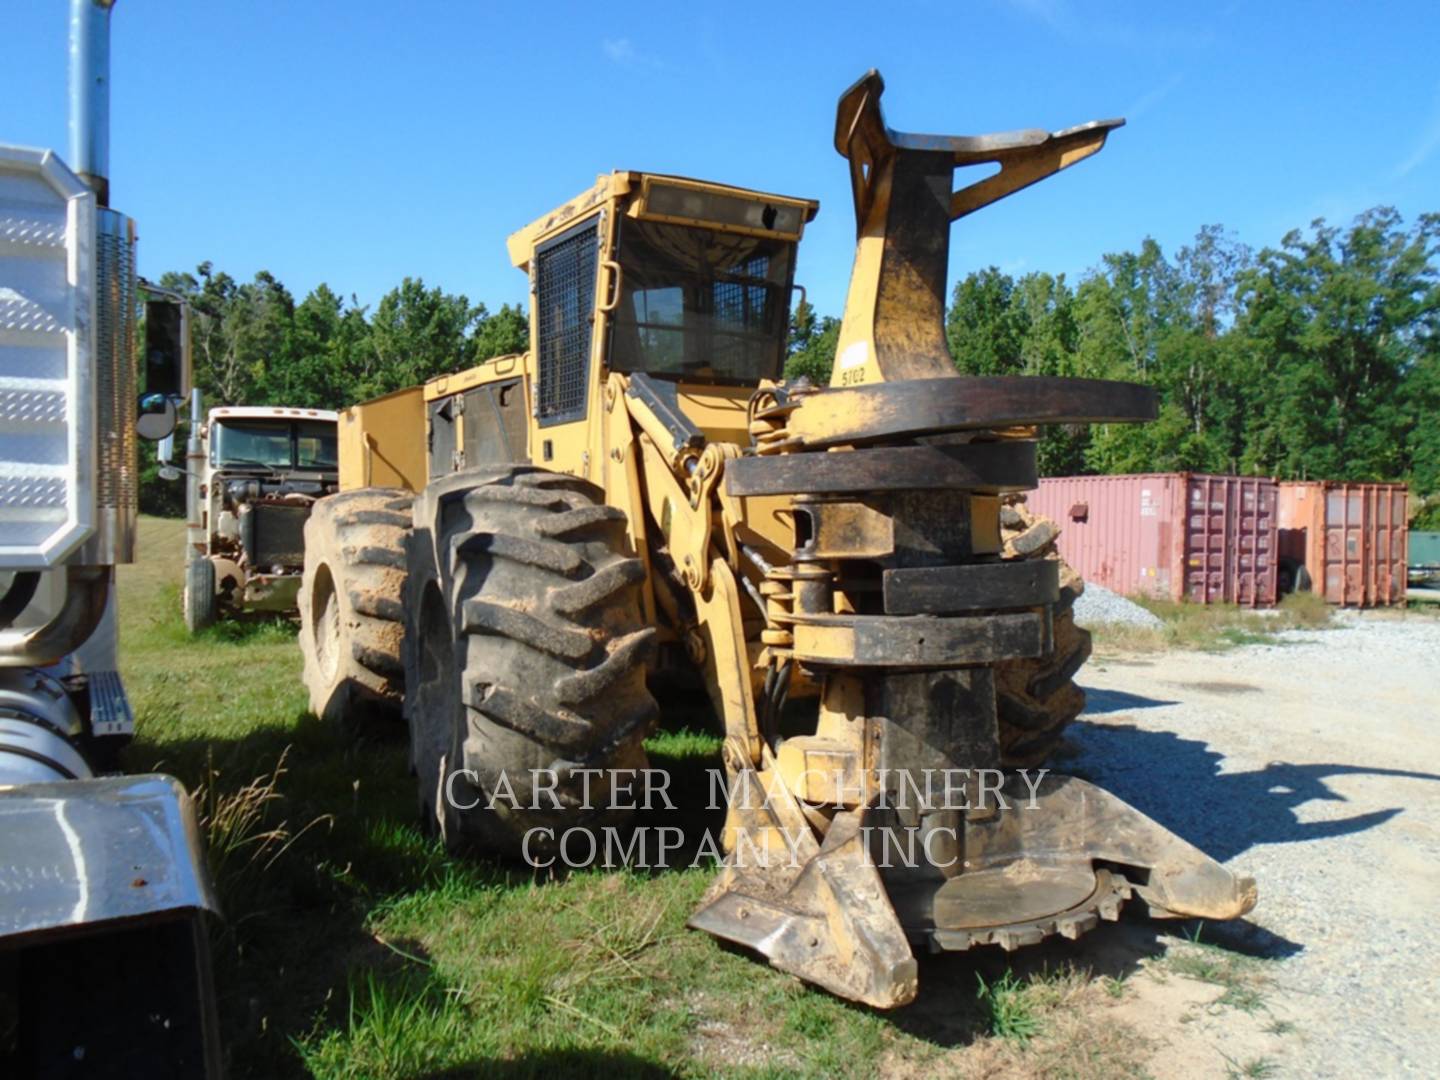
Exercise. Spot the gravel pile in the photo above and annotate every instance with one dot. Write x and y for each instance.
(1097, 605)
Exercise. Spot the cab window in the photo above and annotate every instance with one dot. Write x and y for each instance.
(700, 304)
(315, 446)
(240, 442)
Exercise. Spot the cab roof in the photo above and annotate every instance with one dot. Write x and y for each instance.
(635, 188)
(270, 412)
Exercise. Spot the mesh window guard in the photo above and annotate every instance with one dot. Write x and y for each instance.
(565, 304)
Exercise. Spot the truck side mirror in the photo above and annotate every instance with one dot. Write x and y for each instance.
(155, 417)
(166, 368)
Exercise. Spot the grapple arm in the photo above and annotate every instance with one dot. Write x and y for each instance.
(904, 204)
(1024, 157)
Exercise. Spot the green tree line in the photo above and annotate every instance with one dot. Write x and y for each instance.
(254, 345)
(1318, 358)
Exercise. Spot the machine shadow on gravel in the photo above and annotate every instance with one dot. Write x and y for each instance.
(1099, 702)
(1179, 782)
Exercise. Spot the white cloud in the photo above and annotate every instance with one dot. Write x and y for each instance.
(1147, 101)
(1053, 13)
(1060, 18)
(1425, 145)
(620, 50)
(625, 53)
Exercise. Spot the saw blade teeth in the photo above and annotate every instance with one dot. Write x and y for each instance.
(1105, 903)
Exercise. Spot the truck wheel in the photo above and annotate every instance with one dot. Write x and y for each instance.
(525, 654)
(1036, 698)
(199, 594)
(351, 618)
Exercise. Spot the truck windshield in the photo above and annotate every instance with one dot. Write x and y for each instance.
(699, 303)
(315, 445)
(275, 444)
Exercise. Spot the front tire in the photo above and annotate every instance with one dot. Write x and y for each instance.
(199, 594)
(525, 654)
(351, 618)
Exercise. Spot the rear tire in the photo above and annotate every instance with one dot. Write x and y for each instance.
(351, 614)
(1036, 699)
(199, 594)
(525, 654)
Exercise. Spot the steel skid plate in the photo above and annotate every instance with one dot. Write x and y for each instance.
(1007, 894)
(1008, 908)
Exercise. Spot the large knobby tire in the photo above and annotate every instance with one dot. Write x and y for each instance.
(1037, 698)
(198, 595)
(351, 596)
(525, 655)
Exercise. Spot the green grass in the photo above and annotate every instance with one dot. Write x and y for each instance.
(1245, 998)
(392, 1029)
(1254, 1069)
(1212, 627)
(1241, 977)
(354, 946)
(1008, 1008)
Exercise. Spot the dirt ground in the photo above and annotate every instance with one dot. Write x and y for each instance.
(1314, 765)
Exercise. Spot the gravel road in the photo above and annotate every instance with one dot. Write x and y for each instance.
(1314, 765)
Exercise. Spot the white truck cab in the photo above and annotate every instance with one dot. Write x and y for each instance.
(255, 472)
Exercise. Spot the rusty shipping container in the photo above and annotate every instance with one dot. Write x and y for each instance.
(1179, 536)
(1350, 540)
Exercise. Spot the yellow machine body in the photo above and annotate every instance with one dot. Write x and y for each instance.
(844, 542)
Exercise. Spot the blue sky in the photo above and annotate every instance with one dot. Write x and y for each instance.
(355, 143)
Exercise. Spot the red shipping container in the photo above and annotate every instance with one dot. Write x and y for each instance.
(1351, 539)
(1179, 536)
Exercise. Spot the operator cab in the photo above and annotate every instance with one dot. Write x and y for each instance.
(680, 287)
(680, 280)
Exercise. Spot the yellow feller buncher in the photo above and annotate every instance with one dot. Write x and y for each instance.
(518, 548)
